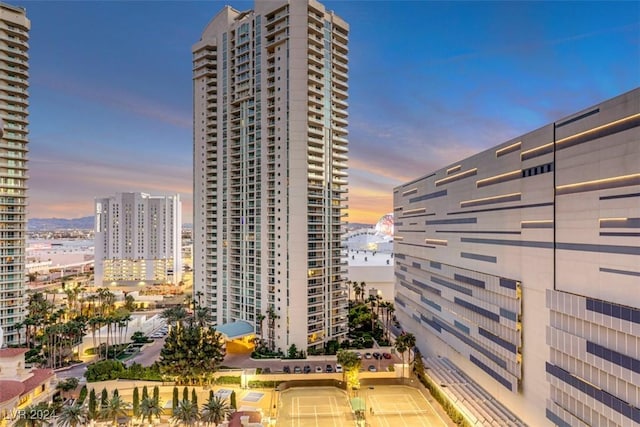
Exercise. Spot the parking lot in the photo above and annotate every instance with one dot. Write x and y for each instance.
(314, 363)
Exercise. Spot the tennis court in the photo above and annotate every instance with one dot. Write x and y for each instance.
(398, 406)
(314, 407)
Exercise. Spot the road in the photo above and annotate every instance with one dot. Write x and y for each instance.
(149, 354)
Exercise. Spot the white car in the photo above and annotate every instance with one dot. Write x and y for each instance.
(338, 368)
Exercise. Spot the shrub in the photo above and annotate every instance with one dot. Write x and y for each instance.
(104, 370)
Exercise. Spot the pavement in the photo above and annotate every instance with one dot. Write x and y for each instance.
(277, 365)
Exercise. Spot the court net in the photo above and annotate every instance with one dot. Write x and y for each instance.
(316, 414)
(414, 411)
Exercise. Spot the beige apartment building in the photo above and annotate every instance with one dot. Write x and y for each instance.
(518, 271)
(270, 170)
(14, 115)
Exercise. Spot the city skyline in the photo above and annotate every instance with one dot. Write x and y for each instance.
(440, 82)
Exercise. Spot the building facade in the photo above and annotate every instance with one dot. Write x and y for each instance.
(138, 239)
(14, 119)
(270, 170)
(521, 265)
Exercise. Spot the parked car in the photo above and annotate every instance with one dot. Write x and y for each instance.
(386, 355)
(286, 369)
(329, 369)
(372, 368)
(297, 370)
(377, 355)
(359, 355)
(307, 369)
(338, 368)
(318, 369)
(367, 355)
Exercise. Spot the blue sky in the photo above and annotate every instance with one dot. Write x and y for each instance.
(430, 83)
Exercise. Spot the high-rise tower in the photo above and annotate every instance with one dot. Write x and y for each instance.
(14, 100)
(270, 170)
(138, 239)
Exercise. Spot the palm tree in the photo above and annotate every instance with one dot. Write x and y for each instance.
(116, 407)
(73, 415)
(272, 316)
(150, 408)
(363, 285)
(186, 413)
(405, 342)
(27, 420)
(260, 318)
(215, 410)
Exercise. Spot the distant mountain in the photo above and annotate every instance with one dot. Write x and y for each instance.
(52, 224)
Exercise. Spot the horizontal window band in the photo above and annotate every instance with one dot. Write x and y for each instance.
(537, 224)
(614, 357)
(454, 169)
(608, 129)
(414, 244)
(496, 376)
(509, 149)
(620, 223)
(478, 257)
(515, 197)
(478, 232)
(537, 152)
(575, 119)
(440, 193)
(600, 184)
(456, 177)
(509, 176)
(609, 249)
(451, 221)
(521, 243)
(619, 234)
(622, 272)
(504, 208)
(619, 196)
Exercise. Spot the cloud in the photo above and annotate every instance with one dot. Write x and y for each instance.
(66, 187)
(117, 99)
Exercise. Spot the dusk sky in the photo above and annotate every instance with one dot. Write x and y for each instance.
(430, 83)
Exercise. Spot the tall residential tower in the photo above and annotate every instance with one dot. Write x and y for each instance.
(14, 100)
(270, 170)
(138, 239)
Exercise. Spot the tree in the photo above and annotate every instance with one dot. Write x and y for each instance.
(73, 415)
(215, 410)
(136, 402)
(139, 337)
(145, 392)
(232, 400)
(68, 385)
(186, 413)
(260, 319)
(174, 315)
(194, 397)
(272, 316)
(150, 408)
(185, 393)
(93, 405)
(104, 398)
(34, 415)
(116, 407)
(350, 368)
(406, 341)
(191, 352)
(156, 393)
(174, 402)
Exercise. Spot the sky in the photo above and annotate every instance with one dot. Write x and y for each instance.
(430, 83)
